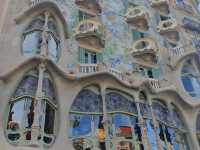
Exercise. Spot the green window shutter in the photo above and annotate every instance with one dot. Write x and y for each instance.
(99, 57)
(135, 34)
(81, 55)
(157, 73)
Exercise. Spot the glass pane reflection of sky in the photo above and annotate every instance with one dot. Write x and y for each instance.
(81, 126)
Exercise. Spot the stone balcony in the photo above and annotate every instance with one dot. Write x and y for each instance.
(132, 79)
(90, 34)
(180, 52)
(161, 5)
(169, 29)
(88, 68)
(92, 7)
(137, 17)
(144, 51)
(95, 68)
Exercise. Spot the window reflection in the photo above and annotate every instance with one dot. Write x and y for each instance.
(80, 125)
(123, 126)
(52, 47)
(151, 134)
(21, 116)
(31, 44)
(33, 37)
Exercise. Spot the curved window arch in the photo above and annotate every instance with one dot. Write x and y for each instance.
(86, 116)
(171, 130)
(190, 79)
(41, 31)
(22, 112)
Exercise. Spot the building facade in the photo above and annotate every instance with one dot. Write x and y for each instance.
(100, 74)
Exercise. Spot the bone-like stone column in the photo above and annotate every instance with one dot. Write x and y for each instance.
(36, 127)
(44, 44)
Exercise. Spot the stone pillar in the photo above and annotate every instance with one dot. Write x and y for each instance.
(142, 126)
(36, 127)
(105, 118)
(44, 44)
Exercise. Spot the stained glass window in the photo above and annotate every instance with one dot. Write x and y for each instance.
(87, 101)
(189, 77)
(27, 86)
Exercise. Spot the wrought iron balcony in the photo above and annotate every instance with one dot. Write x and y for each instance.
(169, 29)
(92, 7)
(138, 17)
(161, 5)
(90, 34)
(144, 51)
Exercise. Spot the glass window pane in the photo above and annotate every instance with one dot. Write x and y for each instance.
(123, 126)
(21, 114)
(52, 48)
(49, 119)
(27, 86)
(80, 125)
(151, 135)
(31, 43)
(187, 84)
(15, 118)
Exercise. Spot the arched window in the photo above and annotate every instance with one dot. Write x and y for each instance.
(123, 120)
(22, 113)
(171, 130)
(190, 78)
(41, 31)
(86, 116)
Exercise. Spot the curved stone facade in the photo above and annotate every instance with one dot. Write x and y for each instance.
(74, 76)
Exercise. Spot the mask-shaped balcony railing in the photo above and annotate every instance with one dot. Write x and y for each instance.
(169, 29)
(90, 34)
(138, 17)
(191, 24)
(92, 7)
(158, 85)
(185, 7)
(161, 5)
(175, 54)
(144, 51)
